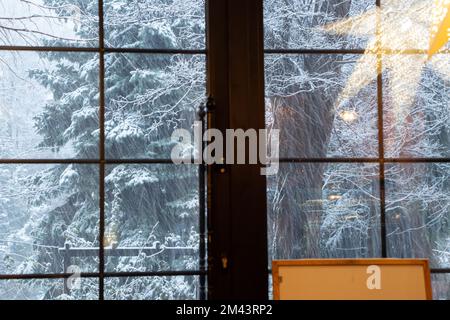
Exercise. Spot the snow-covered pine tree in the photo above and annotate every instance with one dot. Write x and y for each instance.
(147, 96)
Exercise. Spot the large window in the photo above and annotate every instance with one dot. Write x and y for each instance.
(90, 93)
(92, 90)
(364, 119)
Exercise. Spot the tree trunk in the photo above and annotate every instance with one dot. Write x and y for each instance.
(305, 121)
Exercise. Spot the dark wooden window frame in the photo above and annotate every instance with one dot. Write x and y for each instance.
(237, 215)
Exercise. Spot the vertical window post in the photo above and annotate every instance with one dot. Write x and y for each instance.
(238, 227)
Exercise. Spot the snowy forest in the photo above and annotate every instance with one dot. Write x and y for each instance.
(325, 105)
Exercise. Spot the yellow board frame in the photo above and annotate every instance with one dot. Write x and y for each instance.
(277, 264)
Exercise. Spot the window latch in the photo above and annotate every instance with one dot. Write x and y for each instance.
(224, 262)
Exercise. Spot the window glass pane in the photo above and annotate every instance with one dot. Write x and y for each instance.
(441, 286)
(148, 97)
(416, 100)
(49, 101)
(155, 24)
(329, 24)
(152, 218)
(417, 208)
(270, 289)
(152, 288)
(47, 289)
(48, 105)
(43, 208)
(310, 99)
(406, 24)
(324, 211)
(49, 23)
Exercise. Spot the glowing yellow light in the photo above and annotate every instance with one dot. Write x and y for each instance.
(440, 26)
(111, 237)
(348, 116)
(334, 197)
(401, 27)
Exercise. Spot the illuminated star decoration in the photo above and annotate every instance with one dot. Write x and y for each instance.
(400, 28)
(440, 26)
